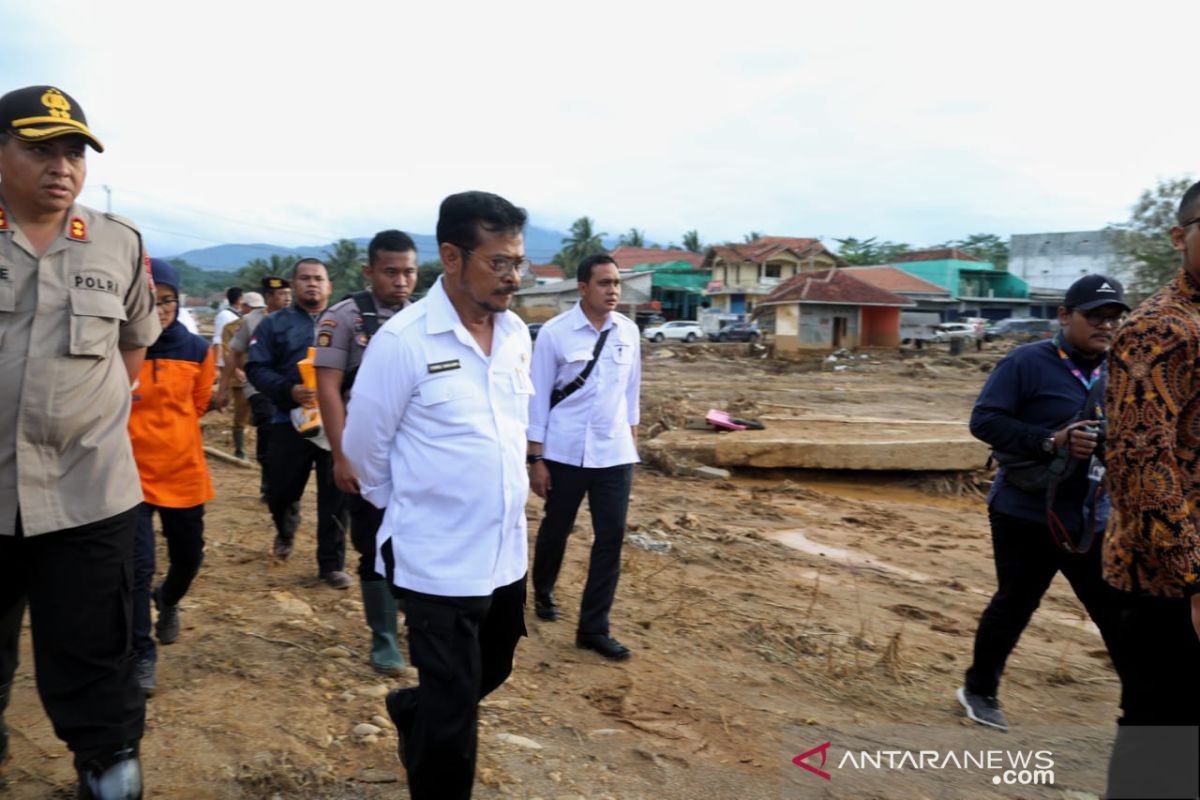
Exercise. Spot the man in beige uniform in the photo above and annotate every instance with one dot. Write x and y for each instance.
(342, 337)
(76, 315)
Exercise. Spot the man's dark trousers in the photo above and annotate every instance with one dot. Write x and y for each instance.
(463, 649)
(607, 490)
(289, 462)
(78, 583)
(365, 520)
(1157, 740)
(1026, 562)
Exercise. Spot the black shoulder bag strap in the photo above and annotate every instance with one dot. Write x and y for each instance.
(558, 395)
(370, 325)
(1064, 464)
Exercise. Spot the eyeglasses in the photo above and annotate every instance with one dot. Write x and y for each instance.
(1191, 221)
(502, 265)
(1100, 318)
(169, 301)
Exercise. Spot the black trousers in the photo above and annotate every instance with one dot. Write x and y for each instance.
(1026, 562)
(607, 490)
(261, 411)
(289, 461)
(1158, 738)
(463, 649)
(365, 520)
(183, 528)
(78, 583)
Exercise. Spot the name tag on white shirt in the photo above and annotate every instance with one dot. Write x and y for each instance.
(622, 354)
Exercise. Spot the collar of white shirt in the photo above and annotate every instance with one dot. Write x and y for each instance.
(580, 319)
(441, 317)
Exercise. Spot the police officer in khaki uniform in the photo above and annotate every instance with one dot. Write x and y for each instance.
(342, 336)
(76, 315)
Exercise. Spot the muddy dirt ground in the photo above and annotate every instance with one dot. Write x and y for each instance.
(785, 599)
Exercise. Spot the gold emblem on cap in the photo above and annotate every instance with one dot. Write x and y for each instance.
(56, 105)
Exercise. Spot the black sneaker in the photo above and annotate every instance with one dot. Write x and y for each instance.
(115, 777)
(166, 627)
(283, 548)
(984, 710)
(603, 644)
(144, 670)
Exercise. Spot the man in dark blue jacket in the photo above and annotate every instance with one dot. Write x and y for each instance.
(279, 343)
(1032, 409)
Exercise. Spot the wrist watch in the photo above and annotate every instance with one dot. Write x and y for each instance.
(532, 459)
(1048, 445)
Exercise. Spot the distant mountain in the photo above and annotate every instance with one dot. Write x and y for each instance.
(540, 244)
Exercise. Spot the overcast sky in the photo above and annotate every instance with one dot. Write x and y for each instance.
(300, 122)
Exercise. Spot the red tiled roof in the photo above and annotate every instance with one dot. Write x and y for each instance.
(762, 248)
(936, 254)
(548, 271)
(629, 257)
(895, 280)
(832, 286)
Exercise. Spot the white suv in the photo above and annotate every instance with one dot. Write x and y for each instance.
(679, 330)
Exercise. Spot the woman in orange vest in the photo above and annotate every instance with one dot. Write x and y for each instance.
(170, 396)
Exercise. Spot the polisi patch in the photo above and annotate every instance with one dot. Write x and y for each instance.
(3, 220)
(99, 283)
(328, 323)
(324, 338)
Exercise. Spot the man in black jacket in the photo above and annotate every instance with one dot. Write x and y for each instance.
(279, 343)
(1032, 407)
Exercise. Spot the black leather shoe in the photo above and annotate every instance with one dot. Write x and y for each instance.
(392, 703)
(115, 777)
(283, 548)
(602, 644)
(546, 609)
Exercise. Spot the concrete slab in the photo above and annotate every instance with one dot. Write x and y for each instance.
(831, 442)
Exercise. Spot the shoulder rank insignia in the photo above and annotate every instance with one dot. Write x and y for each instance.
(328, 323)
(324, 338)
(77, 229)
(3, 220)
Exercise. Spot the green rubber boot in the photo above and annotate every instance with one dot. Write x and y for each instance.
(379, 608)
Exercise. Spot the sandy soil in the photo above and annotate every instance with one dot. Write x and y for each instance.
(785, 600)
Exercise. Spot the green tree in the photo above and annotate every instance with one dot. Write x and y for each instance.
(752, 235)
(250, 276)
(987, 246)
(1144, 242)
(691, 241)
(870, 251)
(634, 238)
(584, 241)
(345, 263)
(198, 282)
(427, 274)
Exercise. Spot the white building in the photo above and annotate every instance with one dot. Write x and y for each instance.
(1056, 260)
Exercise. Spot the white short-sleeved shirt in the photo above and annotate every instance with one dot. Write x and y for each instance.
(435, 432)
(592, 426)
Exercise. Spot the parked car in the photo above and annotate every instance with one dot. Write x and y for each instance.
(736, 332)
(1021, 329)
(534, 327)
(648, 319)
(953, 330)
(678, 330)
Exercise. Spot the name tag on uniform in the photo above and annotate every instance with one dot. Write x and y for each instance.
(443, 366)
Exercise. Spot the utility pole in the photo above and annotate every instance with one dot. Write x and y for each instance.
(108, 192)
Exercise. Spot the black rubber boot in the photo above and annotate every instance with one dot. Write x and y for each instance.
(5, 693)
(117, 776)
(379, 607)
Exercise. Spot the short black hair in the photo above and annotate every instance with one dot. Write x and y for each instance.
(233, 294)
(302, 261)
(392, 241)
(1187, 205)
(462, 215)
(583, 273)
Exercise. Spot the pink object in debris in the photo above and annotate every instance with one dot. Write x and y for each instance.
(720, 419)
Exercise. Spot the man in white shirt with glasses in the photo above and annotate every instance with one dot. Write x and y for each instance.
(435, 433)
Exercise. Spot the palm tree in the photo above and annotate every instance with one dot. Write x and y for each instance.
(344, 263)
(583, 242)
(752, 235)
(691, 241)
(634, 238)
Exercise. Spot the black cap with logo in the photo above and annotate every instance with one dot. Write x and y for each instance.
(1093, 291)
(271, 283)
(41, 113)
